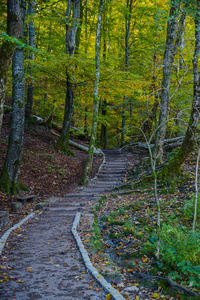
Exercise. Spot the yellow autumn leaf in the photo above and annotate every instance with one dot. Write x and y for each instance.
(108, 296)
(156, 296)
(29, 270)
(136, 284)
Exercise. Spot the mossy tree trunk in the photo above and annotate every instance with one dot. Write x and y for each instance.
(71, 31)
(7, 49)
(31, 41)
(88, 166)
(173, 41)
(173, 167)
(9, 177)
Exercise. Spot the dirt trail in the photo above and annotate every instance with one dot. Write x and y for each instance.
(41, 261)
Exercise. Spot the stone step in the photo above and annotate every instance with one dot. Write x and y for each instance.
(65, 209)
(95, 190)
(112, 173)
(108, 176)
(113, 170)
(120, 166)
(66, 205)
(103, 184)
(84, 195)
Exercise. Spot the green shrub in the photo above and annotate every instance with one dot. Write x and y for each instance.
(188, 209)
(179, 251)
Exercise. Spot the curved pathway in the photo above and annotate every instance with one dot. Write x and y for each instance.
(41, 260)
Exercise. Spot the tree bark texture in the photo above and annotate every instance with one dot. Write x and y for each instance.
(9, 176)
(31, 40)
(175, 163)
(79, 29)
(70, 49)
(104, 128)
(127, 36)
(170, 49)
(65, 134)
(7, 49)
(88, 166)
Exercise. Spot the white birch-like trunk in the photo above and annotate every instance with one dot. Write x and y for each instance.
(88, 167)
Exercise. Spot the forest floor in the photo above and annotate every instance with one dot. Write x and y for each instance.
(122, 239)
(45, 171)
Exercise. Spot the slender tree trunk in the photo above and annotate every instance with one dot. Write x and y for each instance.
(166, 81)
(123, 121)
(31, 37)
(71, 31)
(175, 163)
(9, 177)
(196, 192)
(65, 134)
(128, 25)
(7, 49)
(104, 127)
(131, 118)
(78, 34)
(88, 167)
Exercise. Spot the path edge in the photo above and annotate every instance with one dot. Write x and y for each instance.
(107, 287)
(5, 236)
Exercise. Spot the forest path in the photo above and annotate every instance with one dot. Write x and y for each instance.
(41, 261)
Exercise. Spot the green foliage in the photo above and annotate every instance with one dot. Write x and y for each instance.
(96, 242)
(180, 252)
(188, 208)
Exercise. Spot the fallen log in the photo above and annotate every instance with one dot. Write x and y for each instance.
(168, 142)
(97, 152)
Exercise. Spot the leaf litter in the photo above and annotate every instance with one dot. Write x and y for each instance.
(123, 222)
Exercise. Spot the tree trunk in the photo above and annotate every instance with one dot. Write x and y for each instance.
(166, 81)
(7, 49)
(78, 34)
(70, 49)
(65, 134)
(175, 163)
(9, 177)
(123, 121)
(128, 25)
(88, 167)
(31, 37)
(104, 128)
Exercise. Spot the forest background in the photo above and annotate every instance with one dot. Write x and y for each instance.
(145, 75)
(140, 84)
